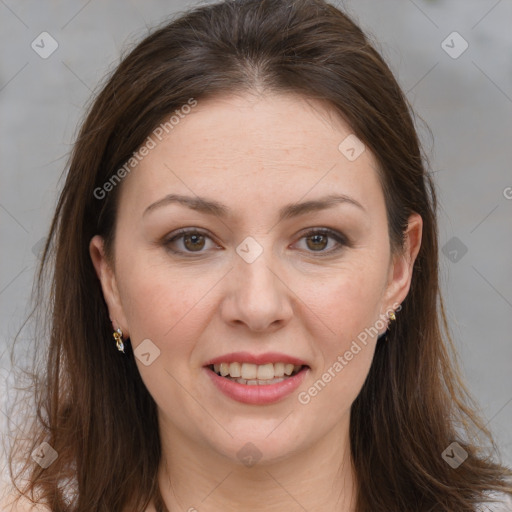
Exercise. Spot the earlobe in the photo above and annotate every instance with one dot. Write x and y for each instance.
(108, 282)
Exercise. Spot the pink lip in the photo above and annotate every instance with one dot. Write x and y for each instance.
(246, 357)
(255, 394)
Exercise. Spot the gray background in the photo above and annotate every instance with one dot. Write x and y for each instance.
(466, 102)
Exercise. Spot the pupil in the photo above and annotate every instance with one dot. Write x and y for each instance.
(195, 239)
(318, 239)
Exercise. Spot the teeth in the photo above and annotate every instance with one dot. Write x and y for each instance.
(256, 382)
(249, 371)
(235, 370)
(254, 374)
(266, 371)
(278, 369)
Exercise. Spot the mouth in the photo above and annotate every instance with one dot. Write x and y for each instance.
(256, 384)
(251, 374)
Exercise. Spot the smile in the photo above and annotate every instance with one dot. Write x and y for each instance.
(256, 384)
(253, 374)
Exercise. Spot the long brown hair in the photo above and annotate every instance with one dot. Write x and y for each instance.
(92, 406)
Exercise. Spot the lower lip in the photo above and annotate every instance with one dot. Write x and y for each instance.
(256, 394)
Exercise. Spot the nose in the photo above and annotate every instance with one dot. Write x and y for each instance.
(257, 295)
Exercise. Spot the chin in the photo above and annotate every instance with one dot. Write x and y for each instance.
(268, 444)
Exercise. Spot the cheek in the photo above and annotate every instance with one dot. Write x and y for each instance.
(332, 392)
(168, 311)
(348, 305)
(350, 313)
(159, 302)
(349, 300)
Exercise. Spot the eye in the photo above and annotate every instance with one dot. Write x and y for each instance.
(191, 240)
(318, 239)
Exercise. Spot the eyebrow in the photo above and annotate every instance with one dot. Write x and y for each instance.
(212, 207)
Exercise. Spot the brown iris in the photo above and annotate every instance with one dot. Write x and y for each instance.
(319, 241)
(196, 241)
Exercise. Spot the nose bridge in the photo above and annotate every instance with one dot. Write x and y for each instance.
(256, 277)
(259, 296)
(253, 268)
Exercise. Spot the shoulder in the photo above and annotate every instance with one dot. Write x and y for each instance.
(497, 502)
(22, 505)
(13, 502)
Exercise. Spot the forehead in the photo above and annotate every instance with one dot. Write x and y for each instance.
(247, 146)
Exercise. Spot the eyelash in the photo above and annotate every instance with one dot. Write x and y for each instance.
(179, 234)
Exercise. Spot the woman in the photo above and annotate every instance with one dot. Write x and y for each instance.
(245, 307)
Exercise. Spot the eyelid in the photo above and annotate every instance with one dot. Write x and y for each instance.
(179, 233)
(339, 237)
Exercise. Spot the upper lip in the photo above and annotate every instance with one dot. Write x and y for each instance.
(259, 359)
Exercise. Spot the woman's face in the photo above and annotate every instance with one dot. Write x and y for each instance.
(250, 283)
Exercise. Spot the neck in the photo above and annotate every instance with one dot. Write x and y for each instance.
(196, 478)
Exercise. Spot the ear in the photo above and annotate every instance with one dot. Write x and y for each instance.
(401, 268)
(107, 278)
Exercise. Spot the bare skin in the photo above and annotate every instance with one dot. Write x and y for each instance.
(254, 154)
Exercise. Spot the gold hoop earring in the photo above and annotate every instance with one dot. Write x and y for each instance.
(392, 318)
(118, 336)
